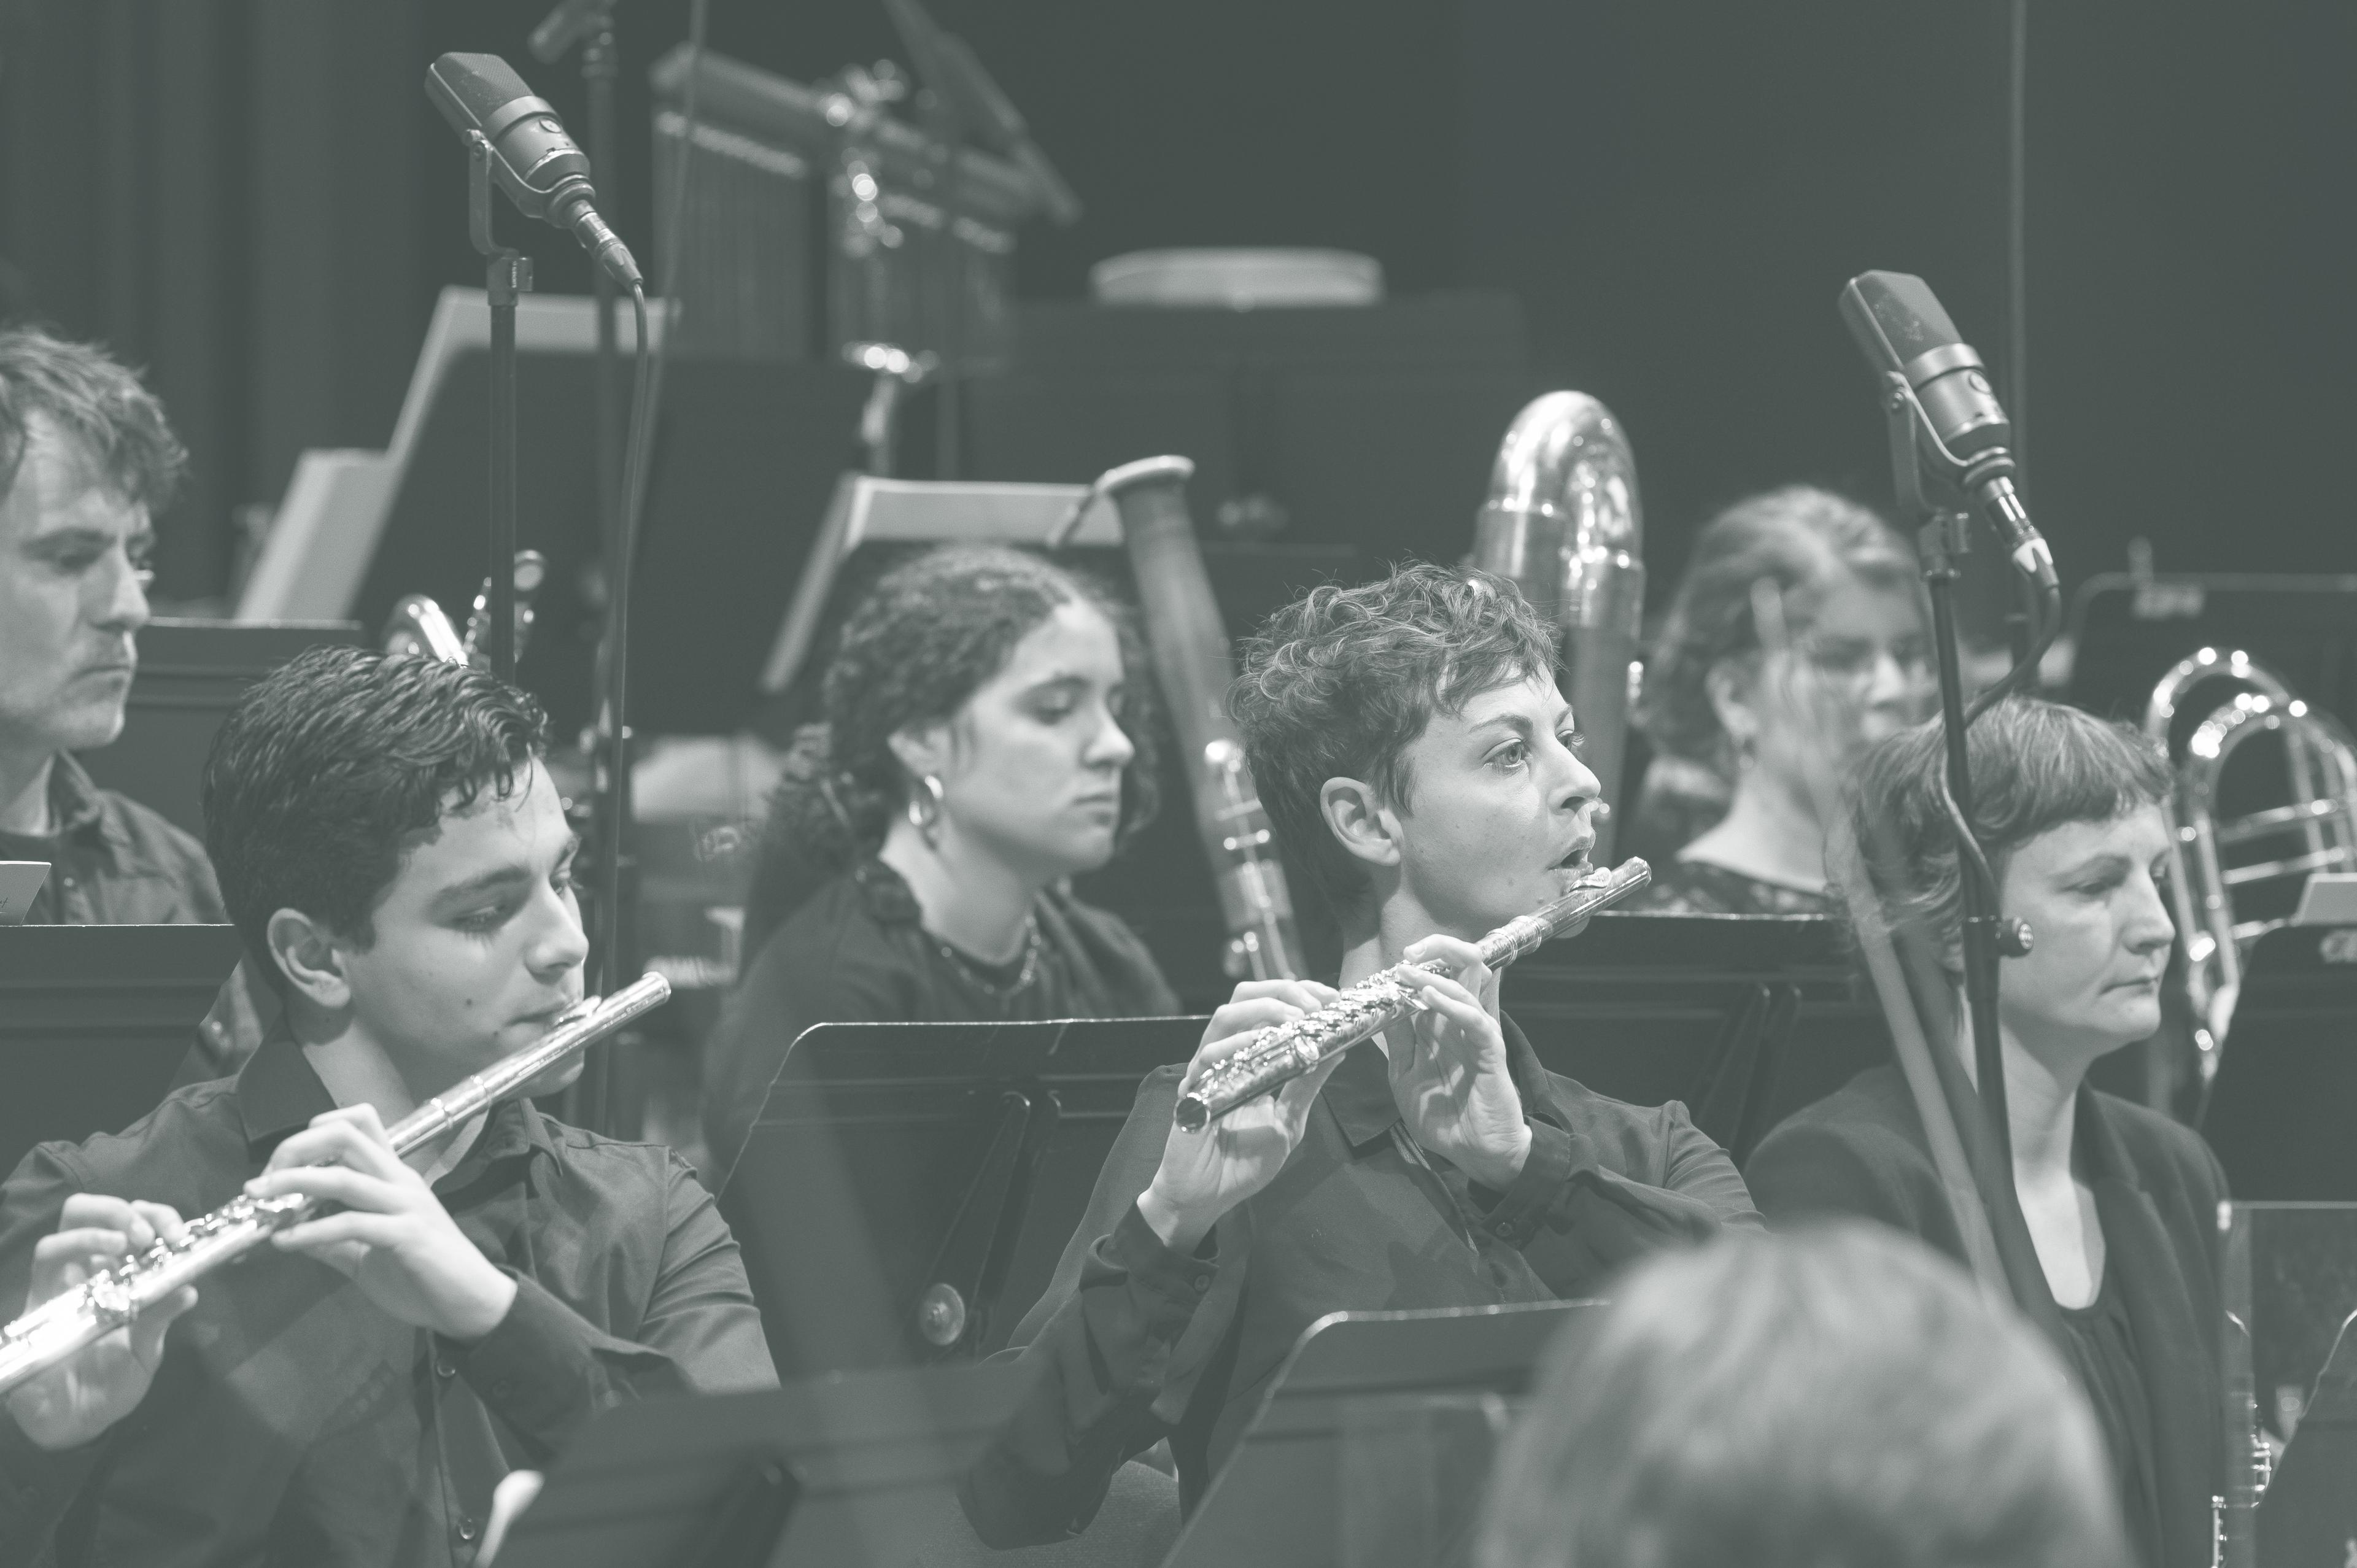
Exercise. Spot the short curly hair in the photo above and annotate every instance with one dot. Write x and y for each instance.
(1339, 683)
(933, 630)
(2035, 765)
(1798, 538)
(97, 403)
(328, 771)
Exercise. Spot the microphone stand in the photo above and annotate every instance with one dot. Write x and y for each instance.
(1985, 1129)
(506, 275)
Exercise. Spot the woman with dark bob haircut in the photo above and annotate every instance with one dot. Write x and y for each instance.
(984, 741)
(2121, 1203)
(1794, 642)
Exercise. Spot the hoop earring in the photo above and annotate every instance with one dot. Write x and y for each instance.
(925, 809)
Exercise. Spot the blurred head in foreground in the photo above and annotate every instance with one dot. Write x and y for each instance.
(1833, 1397)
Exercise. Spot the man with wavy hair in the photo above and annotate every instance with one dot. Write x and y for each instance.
(86, 460)
(1416, 757)
(400, 866)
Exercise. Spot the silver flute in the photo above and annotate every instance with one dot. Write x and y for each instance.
(1282, 1052)
(66, 1324)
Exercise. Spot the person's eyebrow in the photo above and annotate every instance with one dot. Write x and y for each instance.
(1514, 722)
(65, 539)
(502, 876)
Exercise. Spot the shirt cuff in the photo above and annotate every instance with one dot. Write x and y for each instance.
(1556, 1160)
(36, 1484)
(1165, 1285)
(535, 1367)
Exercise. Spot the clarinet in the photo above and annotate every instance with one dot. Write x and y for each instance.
(63, 1326)
(1282, 1052)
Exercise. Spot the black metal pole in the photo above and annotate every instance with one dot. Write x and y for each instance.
(1980, 952)
(600, 64)
(506, 275)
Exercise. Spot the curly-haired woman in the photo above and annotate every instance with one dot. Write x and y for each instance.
(1762, 722)
(983, 744)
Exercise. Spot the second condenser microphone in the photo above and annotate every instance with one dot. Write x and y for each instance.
(1899, 326)
(543, 173)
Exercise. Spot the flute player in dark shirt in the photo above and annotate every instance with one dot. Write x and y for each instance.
(348, 1397)
(1413, 752)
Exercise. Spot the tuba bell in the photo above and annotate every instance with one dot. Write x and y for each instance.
(2211, 867)
(1562, 520)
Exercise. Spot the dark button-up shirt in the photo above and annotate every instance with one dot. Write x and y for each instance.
(112, 862)
(1133, 1342)
(293, 1421)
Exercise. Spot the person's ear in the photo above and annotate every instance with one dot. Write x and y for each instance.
(311, 958)
(923, 749)
(1729, 688)
(1359, 821)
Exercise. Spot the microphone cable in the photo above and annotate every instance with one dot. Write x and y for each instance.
(646, 397)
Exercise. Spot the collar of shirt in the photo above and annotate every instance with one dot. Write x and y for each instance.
(80, 806)
(278, 1092)
(887, 893)
(1359, 1095)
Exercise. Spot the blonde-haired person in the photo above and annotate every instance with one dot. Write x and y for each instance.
(1753, 726)
(1839, 1398)
(2121, 1202)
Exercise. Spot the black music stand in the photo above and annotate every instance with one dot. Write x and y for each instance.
(934, 1169)
(2276, 1110)
(94, 1021)
(2127, 630)
(851, 1469)
(1744, 1018)
(1277, 1501)
(2309, 1514)
(191, 672)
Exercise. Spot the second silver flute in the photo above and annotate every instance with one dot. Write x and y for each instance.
(105, 1302)
(1282, 1052)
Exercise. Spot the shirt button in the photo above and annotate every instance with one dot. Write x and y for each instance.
(468, 1529)
(503, 1387)
(1202, 1284)
(1502, 1228)
(443, 1369)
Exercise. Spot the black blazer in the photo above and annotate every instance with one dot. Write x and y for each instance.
(2158, 1188)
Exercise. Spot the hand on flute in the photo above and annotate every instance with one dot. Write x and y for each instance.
(1449, 1067)
(72, 1403)
(1206, 1173)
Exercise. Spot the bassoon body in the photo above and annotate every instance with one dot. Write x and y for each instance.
(1193, 665)
(67, 1323)
(1282, 1052)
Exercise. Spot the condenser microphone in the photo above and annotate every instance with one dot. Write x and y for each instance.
(543, 173)
(1899, 326)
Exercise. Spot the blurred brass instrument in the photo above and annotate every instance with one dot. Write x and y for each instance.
(1562, 520)
(418, 627)
(1192, 661)
(61, 1327)
(2315, 830)
(1282, 1052)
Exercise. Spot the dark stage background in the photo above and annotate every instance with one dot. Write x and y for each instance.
(252, 198)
